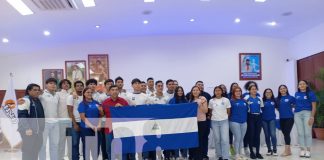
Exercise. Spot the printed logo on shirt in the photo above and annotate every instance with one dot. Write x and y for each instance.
(305, 97)
(244, 104)
(272, 103)
(297, 97)
(223, 103)
(249, 102)
(259, 102)
(286, 100)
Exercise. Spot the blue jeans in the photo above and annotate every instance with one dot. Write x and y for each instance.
(64, 126)
(238, 130)
(76, 136)
(51, 131)
(304, 130)
(220, 130)
(109, 138)
(269, 128)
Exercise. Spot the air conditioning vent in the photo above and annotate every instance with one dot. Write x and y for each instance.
(55, 4)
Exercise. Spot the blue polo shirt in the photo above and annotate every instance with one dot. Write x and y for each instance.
(247, 93)
(254, 104)
(239, 109)
(91, 111)
(268, 111)
(286, 105)
(304, 102)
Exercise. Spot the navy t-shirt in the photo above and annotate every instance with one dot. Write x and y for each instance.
(239, 109)
(268, 111)
(91, 111)
(285, 105)
(304, 101)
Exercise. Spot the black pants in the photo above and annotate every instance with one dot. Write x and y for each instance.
(230, 137)
(254, 128)
(198, 153)
(205, 148)
(286, 125)
(31, 146)
(102, 143)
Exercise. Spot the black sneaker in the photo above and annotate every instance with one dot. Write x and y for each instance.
(220, 158)
(253, 156)
(275, 153)
(259, 156)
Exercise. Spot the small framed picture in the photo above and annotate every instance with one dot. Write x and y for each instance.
(250, 66)
(52, 73)
(98, 67)
(76, 70)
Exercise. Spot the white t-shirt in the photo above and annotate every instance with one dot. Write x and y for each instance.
(103, 97)
(137, 99)
(62, 110)
(159, 99)
(169, 95)
(75, 103)
(219, 107)
(96, 96)
(50, 104)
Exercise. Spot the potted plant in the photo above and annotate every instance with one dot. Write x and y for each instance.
(319, 118)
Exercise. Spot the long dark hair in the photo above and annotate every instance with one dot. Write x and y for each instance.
(224, 91)
(265, 97)
(231, 89)
(307, 88)
(179, 98)
(191, 96)
(218, 87)
(84, 98)
(279, 94)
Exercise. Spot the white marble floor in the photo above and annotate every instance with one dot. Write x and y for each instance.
(317, 153)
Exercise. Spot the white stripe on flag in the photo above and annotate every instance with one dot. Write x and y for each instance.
(154, 127)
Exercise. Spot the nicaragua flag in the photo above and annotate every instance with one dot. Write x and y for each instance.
(154, 127)
(9, 116)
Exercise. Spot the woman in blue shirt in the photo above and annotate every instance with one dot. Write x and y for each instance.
(285, 106)
(269, 121)
(229, 96)
(255, 104)
(90, 113)
(304, 117)
(238, 118)
(179, 97)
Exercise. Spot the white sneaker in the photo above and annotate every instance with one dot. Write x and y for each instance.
(247, 152)
(237, 157)
(302, 153)
(307, 154)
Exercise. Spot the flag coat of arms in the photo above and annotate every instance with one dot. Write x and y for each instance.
(157, 126)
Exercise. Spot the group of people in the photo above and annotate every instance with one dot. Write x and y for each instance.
(235, 119)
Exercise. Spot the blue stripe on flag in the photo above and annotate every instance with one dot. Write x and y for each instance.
(151, 143)
(154, 111)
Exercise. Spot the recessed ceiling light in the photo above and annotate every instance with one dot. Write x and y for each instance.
(5, 40)
(149, 1)
(88, 3)
(260, 0)
(192, 20)
(237, 20)
(47, 33)
(145, 21)
(98, 26)
(20, 6)
(273, 23)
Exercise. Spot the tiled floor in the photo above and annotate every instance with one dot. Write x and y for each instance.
(317, 153)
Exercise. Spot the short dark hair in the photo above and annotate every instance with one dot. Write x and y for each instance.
(136, 80)
(108, 80)
(63, 81)
(248, 83)
(143, 82)
(51, 80)
(76, 82)
(119, 78)
(112, 86)
(91, 81)
(168, 81)
(150, 78)
(199, 82)
(30, 87)
(159, 81)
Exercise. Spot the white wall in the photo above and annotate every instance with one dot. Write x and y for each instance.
(213, 59)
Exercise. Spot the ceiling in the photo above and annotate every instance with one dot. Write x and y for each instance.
(124, 18)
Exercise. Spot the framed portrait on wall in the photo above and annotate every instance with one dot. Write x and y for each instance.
(250, 66)
(98, 67)
(76, 70)
(52, 73)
